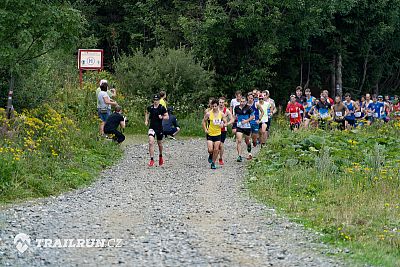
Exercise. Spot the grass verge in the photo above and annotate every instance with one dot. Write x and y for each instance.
(342, 184)
(43, 153)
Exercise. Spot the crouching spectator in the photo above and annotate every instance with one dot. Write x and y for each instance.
(170, 126)
(113, 122)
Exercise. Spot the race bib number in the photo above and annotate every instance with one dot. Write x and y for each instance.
(339, 114)
(324, 115)
(309, 104)
(369, 114)
(294, 115)
(357, 114)
(217, 122)
(376, 115)
(151, 132)
(243, 125)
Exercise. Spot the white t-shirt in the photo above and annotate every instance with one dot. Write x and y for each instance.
(98, 90)
(100, 98)
(233, 104)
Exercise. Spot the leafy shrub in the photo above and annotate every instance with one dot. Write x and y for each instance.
(174, 70)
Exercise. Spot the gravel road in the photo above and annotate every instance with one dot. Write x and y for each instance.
(181, 214)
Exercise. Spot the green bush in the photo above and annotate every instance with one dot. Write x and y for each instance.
(187, 84)
(37, 82)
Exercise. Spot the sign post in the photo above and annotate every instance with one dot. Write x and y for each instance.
(89, 59)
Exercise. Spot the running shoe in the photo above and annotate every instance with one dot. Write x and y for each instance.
(213, 166)
(171, 137)
(151, 163)
(160, 161)
(220, 162)
(250, 156)
(249, 147)
(210, 158)
(239, 159)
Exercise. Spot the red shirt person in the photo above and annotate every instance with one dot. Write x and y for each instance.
(293, 110)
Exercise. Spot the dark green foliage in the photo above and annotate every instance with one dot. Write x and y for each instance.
(187, 84)
(269, 44)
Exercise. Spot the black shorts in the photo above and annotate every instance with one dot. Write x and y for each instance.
(340, 122)
(156, 134)
(352, 121)
(214, 138)
(244, 131)
(234, 125)
(294, 126)
(306, 116)
(171, 132)
(223, 137)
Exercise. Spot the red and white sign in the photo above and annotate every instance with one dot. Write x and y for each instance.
(90, 59)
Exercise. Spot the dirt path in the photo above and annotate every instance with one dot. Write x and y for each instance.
(182, 214)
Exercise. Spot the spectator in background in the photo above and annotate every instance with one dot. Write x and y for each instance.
(114, 121)
(171, 127)
(163, 96)
(111, 92)
(104, 106)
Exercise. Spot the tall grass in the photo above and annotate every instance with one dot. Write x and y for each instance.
(343, 184)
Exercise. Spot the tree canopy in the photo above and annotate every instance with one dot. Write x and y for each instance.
(273, 45)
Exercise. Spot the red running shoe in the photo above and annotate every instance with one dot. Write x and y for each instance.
(160, 161)
(151, 163)
(220, 162)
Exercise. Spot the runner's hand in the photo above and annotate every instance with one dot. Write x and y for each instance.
(146, 123)
(160, 116)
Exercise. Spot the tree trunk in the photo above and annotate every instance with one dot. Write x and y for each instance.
(309, 69)
(10, 108)
(339, 82)
(301, 67)
(364, 74)
(333, 78)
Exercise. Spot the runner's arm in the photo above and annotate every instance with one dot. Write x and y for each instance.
(287, 111)
(146, 118)
(273, 108)
(251, 118)
(346, 111)
(109, 101)
(204, 122)
(122, 123)
(231, 117)
(225, 120)
(261, 111)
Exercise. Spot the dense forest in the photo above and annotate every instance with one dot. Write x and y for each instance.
(273, 45)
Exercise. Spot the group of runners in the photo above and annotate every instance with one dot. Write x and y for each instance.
(308, 111)
(250, 116)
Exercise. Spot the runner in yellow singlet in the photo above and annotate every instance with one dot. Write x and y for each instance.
(213, 121)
